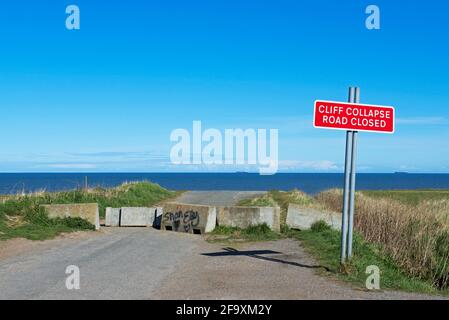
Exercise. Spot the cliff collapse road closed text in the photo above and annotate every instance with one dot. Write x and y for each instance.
(352, 116)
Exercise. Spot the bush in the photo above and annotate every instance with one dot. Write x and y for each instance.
(75, 223)
(260, 229)
(320, 226)
(259, 232)
(265, 200)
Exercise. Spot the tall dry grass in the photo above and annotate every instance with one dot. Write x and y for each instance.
(416, 237)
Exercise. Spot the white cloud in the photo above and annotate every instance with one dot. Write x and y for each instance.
(406, 167)
(72, 166)
(320, 165)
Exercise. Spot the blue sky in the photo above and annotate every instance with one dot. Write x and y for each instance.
(107, 96)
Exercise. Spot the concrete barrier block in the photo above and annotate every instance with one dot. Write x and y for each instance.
(137, 216)
(112, 218)
(188, 218)
(87, 211)
(302, 218)
(243, 217)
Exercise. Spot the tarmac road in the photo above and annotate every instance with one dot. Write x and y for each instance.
(120, 263)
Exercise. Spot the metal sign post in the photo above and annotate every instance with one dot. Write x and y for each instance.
(347, 216)
(351, 117)
(352, 182)
(344, 215)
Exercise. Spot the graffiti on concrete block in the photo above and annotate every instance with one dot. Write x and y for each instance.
(182, 221)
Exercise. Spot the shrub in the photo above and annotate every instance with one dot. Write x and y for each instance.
(320, 226)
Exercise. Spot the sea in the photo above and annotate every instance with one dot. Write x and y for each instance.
(311, 183)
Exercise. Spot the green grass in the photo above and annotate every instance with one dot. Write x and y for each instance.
(410, 197)
(131, 194)
(324, 244)
(23, 219)
(45, 229)
(21, 216)
(260, 232)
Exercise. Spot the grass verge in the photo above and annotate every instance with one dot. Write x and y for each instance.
(323, 244)
(416, 236)
(260, 232)
(409, 197)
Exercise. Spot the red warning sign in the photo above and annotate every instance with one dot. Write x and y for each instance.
(353, 116)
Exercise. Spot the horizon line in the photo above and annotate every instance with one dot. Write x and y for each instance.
(206, 172)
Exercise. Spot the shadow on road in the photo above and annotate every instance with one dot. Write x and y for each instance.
(257, 254)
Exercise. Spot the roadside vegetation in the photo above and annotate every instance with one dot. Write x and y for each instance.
(260, 232)
(324, 244)
(409, 197)
(404, 233)
(21, 216)
(415, 236)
